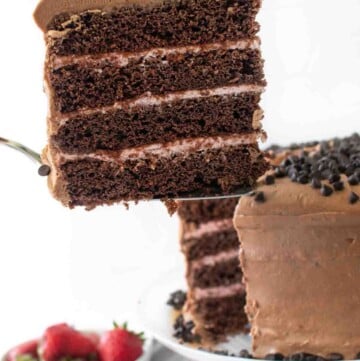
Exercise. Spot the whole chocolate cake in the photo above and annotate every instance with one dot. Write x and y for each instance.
(216, 294)
(300, 253)
(151, 99)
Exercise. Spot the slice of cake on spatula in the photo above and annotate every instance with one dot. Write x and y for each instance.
(151, 99)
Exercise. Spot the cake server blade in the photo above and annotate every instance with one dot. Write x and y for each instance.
(237, 193)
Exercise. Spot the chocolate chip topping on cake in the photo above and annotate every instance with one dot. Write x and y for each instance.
(327, 166)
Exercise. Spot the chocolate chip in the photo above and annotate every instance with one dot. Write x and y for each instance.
(222, 352)
(316, 183)
(260, 197)
(353, 198)
(285, 163)
(177, 300)
(334, 178)
(326, 191)
(303, 179)
(294, 177)
(280, 172)
(335, 357)
(44, 170)
(184, 330)
(245, 354)
(305, 357)
(293, 159)
(304, 154)
(269, 180)
(342, 168)
(353, 180)
(316, 174)
(349, 171)
(274, 357)
(326, 173)
(338, 186)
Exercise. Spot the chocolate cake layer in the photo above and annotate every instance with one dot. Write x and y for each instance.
(219, 316)
(207, 210)
(129, 127)
(103, 83)
(220, 274)
(167, 24)
(210, 244)
(91, 181)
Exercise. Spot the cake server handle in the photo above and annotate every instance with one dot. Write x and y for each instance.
(22, 149)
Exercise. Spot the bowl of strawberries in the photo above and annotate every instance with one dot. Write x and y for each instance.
(62, 342)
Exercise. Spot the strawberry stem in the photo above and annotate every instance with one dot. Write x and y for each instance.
(115, 324)
(141, 336)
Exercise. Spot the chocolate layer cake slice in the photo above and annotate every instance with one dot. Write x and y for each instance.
(151, 99)
(216, 294)
(300, 253)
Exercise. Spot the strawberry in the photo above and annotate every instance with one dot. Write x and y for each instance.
(64, 341)
(120, 344)
(25, 349)
(93, 336)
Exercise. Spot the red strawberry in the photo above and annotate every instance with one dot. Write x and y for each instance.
(27, 348)
(64, 341)
(120, 344)
(93, 336)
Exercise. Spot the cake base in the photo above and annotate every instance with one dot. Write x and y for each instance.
(216, 319)
(91, 181)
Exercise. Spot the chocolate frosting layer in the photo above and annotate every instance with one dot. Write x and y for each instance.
(47, 9)
(300, 254)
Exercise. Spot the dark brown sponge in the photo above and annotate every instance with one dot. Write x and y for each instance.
(220, 316)
(102, 83)
(210, 244)
(207, 210)
(179, 22)
(220, 274)
(126, 128)
(92, 182)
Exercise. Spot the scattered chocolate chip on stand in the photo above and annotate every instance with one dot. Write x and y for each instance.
(177, 300)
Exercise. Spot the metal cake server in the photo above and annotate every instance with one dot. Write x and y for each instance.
(22, 148)
(34, 156)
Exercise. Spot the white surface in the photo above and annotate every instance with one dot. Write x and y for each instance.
(87, 268)
(158, 318)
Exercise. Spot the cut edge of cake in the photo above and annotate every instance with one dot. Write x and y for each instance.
(216, 295)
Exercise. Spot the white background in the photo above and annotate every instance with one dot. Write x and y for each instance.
(89, 268)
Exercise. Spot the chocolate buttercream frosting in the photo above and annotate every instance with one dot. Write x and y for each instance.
(300, 252)
(48, 9)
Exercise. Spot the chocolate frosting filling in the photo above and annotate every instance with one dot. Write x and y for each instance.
(47, 9)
